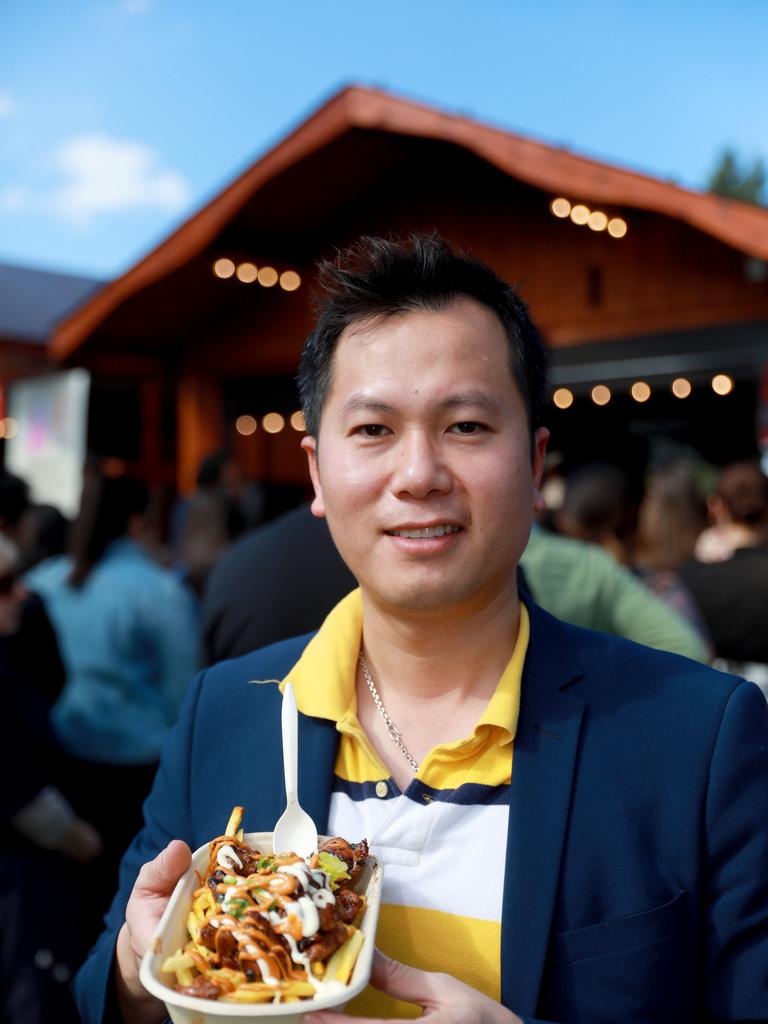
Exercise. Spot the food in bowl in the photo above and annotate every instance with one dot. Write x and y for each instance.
(271, 927)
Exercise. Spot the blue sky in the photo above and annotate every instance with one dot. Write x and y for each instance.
(118, 118)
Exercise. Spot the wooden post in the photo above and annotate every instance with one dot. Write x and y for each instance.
(200, 423)
(151, 427)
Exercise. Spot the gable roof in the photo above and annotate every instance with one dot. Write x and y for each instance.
(31, 301)
(546, 167)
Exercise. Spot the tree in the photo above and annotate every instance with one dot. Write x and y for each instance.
(735, 180)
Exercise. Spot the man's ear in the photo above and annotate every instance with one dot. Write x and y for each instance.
(540, 438)
(309, 444)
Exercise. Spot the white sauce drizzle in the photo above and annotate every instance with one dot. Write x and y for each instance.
(226, 858)
(305, 908)
(299, 958)
(266, 976)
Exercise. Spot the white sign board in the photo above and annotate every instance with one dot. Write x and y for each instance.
(48, 447)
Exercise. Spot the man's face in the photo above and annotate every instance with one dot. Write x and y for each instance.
(423, 462)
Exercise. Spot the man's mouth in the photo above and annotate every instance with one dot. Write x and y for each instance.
(424, 532)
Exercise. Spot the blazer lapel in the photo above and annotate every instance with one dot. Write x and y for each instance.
(545, 749)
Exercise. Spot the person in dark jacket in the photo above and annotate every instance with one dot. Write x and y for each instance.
(280, 580)
(43, 842)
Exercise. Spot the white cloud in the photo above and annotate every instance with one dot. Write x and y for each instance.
(7, 105)
(108, 175)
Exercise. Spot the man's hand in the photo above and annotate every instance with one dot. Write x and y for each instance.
(149, 899)
(445, 1000)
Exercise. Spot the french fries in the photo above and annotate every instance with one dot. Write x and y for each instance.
(268, 928)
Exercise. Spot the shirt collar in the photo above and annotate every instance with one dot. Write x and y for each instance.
(324, 676)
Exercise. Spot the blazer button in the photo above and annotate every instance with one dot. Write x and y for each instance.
(382, 789)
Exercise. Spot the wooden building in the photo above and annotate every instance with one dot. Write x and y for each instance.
(631, 279)
(31, 301)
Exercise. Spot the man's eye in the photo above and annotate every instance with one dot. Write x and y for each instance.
(372, 430)
(467, 427)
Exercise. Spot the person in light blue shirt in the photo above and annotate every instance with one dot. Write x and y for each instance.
(128, 635)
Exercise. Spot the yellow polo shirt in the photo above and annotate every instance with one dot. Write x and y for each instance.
(443, 840)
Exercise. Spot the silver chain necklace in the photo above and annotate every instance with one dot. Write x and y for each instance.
(392, 729)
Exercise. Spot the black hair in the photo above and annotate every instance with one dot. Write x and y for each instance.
(599, 499)
(211, 468)
(743, 487)
(380, 277)
(107, 507)
(14, 498)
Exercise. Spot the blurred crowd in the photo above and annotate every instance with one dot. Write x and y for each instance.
(102, 628)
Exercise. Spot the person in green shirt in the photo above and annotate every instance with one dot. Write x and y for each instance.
(584, 585)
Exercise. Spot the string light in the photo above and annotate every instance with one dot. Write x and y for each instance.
(223, 268)
(601, 395)
(563, 398)
(247, 273)
(580, 214)
(267, 277)
(245, 425)
(617, 227)
(289, 280)
(560, 207)
(597, 220)
(273, 422)
(641, 391)
(681, 387)
(722, 384)
(297, 421)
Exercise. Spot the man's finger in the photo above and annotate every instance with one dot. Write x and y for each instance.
(403, 982)
(159, 876)
(397, 980)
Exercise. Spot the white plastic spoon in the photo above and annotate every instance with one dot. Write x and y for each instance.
(295, 831)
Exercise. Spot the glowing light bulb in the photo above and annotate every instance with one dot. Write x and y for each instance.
(563, 398)
(289, 280)
(297, 421)
(247, 273)
(560, 207)
(597, 220)
(681, 387)
(601, 395)
(722, 384)
(617, 227)
(641, 391)
(223, 268)
(267, 277)
(580, 214)
(273, 422)
(245, 425)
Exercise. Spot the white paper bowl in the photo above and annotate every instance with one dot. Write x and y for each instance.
(172, 933)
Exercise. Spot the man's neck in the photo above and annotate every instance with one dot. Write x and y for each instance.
(461, 653)
(434, 674)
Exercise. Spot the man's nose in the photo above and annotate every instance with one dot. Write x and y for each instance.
(420, 467)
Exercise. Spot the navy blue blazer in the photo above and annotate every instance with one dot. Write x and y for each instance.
(636, 883)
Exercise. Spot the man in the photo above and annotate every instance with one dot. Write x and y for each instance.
(564, 830)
